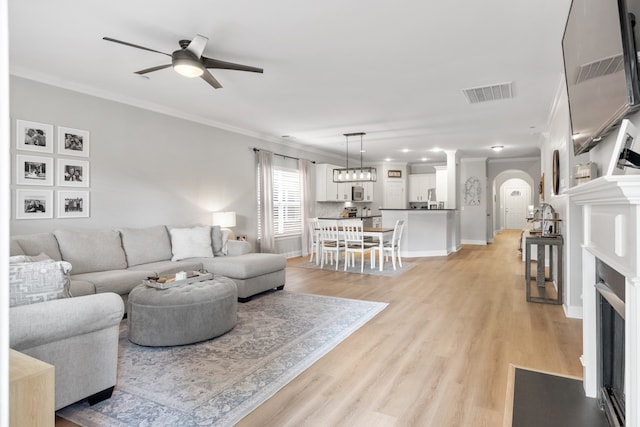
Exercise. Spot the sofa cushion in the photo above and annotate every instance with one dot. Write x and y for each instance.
(118, 281)
(32, 282)
(90, 251)
(245, 266)
(190, 243)
(35, 244)
(145, 245)
(168, 268)
(15, 248)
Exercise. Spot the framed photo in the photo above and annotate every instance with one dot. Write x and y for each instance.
(73, 173)
(34, 204)
(32, 136)
(73, 204)
(394, 174)
(34, 170)
(73, 142)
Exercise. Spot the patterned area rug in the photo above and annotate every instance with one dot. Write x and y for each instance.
(218, 382)
(387, 271)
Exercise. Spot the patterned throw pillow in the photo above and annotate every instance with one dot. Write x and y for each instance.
(32, 282)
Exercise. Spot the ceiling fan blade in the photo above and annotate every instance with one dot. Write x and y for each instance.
(156, 68)
(206, 76)
(109, 39)
(216, 63)
(197, 45)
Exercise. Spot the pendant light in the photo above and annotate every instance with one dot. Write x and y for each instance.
(362, 174)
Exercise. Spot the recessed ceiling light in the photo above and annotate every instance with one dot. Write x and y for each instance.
(405, 150)
(424, 159)
(497, 148)
(437, 150)
(387, 159)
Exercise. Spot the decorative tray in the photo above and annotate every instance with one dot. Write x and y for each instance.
(170, 281)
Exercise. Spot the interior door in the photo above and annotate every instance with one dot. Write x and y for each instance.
(394, 197)
(516, 196)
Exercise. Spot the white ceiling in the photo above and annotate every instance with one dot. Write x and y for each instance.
(395, 70)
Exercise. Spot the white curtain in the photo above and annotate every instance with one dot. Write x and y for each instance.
(265, 167)
(307, 201)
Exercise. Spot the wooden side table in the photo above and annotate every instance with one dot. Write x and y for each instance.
(554, 243)
(31, 391)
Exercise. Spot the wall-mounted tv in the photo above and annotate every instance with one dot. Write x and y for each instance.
(601, 67)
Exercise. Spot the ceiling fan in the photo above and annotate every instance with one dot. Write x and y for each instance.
(189, 62)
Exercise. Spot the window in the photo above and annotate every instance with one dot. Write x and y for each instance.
(287, 206)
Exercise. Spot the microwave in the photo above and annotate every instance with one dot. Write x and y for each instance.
(357, 193)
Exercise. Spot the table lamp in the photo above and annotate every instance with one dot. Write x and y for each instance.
(225, 220)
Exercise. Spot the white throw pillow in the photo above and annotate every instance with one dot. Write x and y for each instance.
(191, 243)
(32, 282)
(225, 238)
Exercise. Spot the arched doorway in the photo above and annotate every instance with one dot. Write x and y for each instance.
(507, 199)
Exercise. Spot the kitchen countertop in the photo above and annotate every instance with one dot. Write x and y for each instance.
(353, 217)
(414, 209)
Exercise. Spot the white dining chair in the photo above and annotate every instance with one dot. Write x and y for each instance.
(392, 248)
(314, 226)
(330, 242)
(353, 237)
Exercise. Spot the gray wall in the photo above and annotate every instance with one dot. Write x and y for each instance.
(146, 168)
(473, 218)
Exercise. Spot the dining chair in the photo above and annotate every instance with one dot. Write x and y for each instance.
(314, 226)
(353, 236)
(393, 246)
(330, 241)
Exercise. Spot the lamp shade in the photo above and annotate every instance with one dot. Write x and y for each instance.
(224, 219)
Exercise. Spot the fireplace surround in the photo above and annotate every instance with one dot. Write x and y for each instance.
(610, 213)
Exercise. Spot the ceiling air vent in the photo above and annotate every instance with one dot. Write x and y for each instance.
(600, 68)
(489, 93)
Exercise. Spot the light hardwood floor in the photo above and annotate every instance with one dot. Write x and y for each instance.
(438, 355)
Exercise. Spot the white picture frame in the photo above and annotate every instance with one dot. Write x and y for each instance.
(627, 138)
(34, 170)
(73, 173)
(33, 136)
(34, 204)
(73, 204)
(73, 142)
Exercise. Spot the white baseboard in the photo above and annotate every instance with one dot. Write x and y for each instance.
(474, 242)
(572, 311)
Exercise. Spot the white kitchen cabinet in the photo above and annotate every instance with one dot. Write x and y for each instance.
(368, 191)
(344, 191)
(419, 185)
(326, 189)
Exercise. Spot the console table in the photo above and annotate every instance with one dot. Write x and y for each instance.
(31, 391)
(554, 244)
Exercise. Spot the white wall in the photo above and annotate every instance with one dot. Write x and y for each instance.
(473, 218)
(147, 168)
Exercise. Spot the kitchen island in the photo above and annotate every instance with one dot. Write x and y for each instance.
(427, 232)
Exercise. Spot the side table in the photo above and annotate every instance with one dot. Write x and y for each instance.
(555, 244)
(31, 391)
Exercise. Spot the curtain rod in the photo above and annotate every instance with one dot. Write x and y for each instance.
(282, 155)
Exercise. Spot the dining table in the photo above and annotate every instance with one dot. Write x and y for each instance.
(378, 233)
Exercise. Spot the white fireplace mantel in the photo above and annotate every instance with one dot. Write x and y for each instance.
(610, 213)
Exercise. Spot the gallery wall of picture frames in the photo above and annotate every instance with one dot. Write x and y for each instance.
(37, 167)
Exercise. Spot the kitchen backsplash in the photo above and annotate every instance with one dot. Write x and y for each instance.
(334, 210)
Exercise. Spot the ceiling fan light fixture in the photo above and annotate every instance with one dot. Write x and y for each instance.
(187, 68)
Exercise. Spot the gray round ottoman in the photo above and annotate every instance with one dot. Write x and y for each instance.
(183, 314)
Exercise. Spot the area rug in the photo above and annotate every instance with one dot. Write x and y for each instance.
(387, 270)
(218, 382)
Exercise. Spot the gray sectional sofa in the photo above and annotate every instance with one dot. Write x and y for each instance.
(79, 335)
(118, 260)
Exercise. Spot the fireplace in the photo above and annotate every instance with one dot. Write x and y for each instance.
(610, 342)
(610, 253)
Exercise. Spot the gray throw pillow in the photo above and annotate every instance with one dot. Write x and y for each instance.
(32, 282)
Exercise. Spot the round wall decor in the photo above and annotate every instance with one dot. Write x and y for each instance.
(556, 172)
